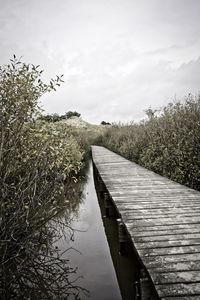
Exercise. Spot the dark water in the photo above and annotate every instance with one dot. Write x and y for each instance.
(94, 260)
(127, 267)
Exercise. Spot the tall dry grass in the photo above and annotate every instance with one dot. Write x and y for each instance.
(168, 144)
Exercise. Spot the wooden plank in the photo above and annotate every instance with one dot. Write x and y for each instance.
(154, 229)
(169, 250)
(153, 208)
(174, 266)
(166, 244)
(153, 189)
(159, 205)
(130, 204)
(172, 189)
(161, 238)
(157, 222)
(145, 188)
(130, 198)
(151, 216)
(157, 211)
(188, 297)
(178, 289)
(142, 216)
(166, 232)
(158, 261)
(141, 205)
(175, 277)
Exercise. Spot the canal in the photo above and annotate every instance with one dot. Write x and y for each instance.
(103, 271)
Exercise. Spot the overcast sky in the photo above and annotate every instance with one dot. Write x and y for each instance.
(118, 57)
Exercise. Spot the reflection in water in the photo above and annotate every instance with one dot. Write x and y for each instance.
(94, 260)
(32, 266)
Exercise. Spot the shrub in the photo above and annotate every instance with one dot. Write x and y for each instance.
(105, 123)
(70, 114)
(39, 161)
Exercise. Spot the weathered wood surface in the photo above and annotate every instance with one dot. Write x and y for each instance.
(163, 220)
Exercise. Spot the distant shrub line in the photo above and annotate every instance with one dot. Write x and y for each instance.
(168, 144)
(56, 117)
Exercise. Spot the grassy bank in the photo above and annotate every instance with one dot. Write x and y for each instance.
(168, 143)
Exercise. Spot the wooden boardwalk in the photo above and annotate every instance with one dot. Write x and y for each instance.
(163, 220)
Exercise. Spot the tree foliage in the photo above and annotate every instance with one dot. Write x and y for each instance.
(50, 117)
(39, 161)
(70, 114)
(105, 123)
(56, 117)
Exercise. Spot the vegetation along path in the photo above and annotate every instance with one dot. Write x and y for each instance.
(162, 219)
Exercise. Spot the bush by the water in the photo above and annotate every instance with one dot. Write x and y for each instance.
(39, 161)
(168, 144)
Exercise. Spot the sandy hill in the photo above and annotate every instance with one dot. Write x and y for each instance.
(76, 122)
